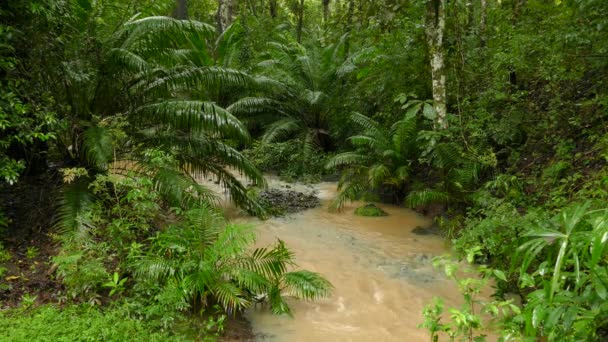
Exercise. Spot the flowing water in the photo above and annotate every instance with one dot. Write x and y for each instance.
(382, 274)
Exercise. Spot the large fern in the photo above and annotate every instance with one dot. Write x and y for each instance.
(209, 261)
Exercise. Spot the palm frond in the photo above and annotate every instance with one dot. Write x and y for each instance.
(127, 59)
(230, 297)
(370, 127)
(377, 174)
(348, 158)
(74, 204)
(206, 77)
(281, 129)
(181, 190)
(98, 146)
(306, 285)
(157, 30)
(350, 192)
(425, 197)
(446, 155)
(248, 106)
(194, 115)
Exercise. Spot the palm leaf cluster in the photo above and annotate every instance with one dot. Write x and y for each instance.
(297, 94)
(563, 264)
(207, 262)
(382, 157)
(459, 172)
(151, 86)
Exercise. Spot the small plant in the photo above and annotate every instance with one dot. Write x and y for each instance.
(469, 322)
(214, 325)
(116, 284)
(27, 301)
(4, 254)
(32, 252)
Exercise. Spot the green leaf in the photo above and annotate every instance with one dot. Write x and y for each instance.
(500, 275)
(429, 112)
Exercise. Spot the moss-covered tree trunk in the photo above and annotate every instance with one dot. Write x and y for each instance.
(300, 21)
(325, 11)
(181, 9)
(435, 28)
(224, 14)
(272, 8)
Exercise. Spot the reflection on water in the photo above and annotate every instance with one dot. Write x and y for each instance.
(382, 273)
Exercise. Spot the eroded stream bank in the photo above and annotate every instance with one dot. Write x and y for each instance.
(381, 270)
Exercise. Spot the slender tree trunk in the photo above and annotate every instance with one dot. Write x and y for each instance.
(300, 21)
(272, 7)
(435, 28)
(349, 27)
(181, 9)
(219, 22)
(483, 12)
(223, 16)
(326, 10)
(230, 9)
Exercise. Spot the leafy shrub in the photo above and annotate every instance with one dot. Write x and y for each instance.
(563, 268)
(495, 231)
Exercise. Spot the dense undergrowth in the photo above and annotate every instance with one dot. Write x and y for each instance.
(115, 117)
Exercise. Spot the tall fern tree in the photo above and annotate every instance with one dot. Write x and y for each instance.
(382, 158)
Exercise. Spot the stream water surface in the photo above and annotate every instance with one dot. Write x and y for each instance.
(382, 273)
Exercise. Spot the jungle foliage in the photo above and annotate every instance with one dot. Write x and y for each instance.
(489, 115)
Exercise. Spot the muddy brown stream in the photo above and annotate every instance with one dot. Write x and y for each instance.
(382, 274)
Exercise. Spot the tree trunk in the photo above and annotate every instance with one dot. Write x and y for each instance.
(300, 21)
(230, 9)
(272, 7)
(326, 10)
(223, 16)
(349, 26)
(482, 22)
(435, 28)
(181, 9)
(219, 22)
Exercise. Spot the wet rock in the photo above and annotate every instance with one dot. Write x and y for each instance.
(371, 210)
(422, 258)
(432, 230)
(279, 202)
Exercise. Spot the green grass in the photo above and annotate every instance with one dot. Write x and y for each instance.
(76, 323)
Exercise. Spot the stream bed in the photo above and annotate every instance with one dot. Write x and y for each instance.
(382, 273)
